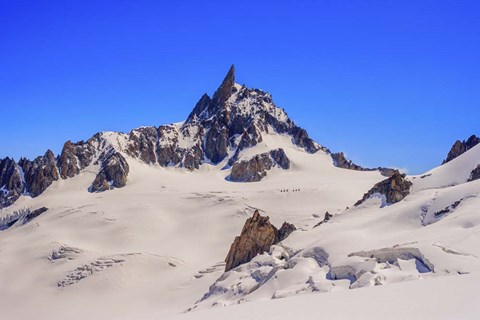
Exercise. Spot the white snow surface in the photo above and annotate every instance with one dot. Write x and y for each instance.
(154, 248)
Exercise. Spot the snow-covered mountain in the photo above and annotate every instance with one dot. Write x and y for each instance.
(222, 131)
(138, 225)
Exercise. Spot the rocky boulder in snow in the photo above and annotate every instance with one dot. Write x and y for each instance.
(326, 218)
(394, 189)
(256, 168)
(460, 147)
(113, 173)
(475, 175)
(257, 236)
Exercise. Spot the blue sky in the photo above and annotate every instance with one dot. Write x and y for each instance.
(391, 83)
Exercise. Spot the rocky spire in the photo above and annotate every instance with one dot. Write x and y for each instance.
(224, 91)
(213, 105)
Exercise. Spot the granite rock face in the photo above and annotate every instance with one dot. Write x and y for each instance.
(143, 144)
(113, 173)
(255, 169)
(77, 156)
(460, 147)
(11, 184)
(395, 189)
(39, 173)
(257, 236)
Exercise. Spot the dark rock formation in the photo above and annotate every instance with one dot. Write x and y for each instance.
(256, 168)
(475, 175)
(77, 156)
(113, 173)
(33, 214)
(201, 105)
(460, 147)
(340, 161)
(257, 236)
(225, 90)
(394, 189)
(39, 173)
(285, 231)
(11, 184)
(20, 217)
(326, 218)
(143, 143)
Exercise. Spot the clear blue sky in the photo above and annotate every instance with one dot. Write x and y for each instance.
(390, 83)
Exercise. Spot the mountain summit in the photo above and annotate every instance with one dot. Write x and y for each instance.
(218, 131)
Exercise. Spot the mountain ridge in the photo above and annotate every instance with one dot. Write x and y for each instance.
(217, 131)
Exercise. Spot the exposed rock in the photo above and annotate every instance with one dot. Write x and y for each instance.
(11, 184)
(257, 236)
(460, 147)
(394, 189)
(39, 173)
(77, 156)
(201, 105)
(387, 172)
(216, 143)
(256, 168)
(33, 214)
(475, 175)
(285, 231)
(224, 91)
(340, 161)
(143, 143)
(301, 139)
(326, 218)
(20, 217)
(113, 173)
(280, 158)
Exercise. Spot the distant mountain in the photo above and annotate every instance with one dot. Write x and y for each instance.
(216, 132)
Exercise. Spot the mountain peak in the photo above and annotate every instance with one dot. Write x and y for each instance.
(225, 90)
(219, 99)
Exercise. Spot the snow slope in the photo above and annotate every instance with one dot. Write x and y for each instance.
(158, 243)
(155, 247)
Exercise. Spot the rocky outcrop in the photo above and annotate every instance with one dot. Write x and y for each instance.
(11, 183)
(77, 156)
(113, 173)
(395, 189)
(143, 144)
(39, 173)
(475, 175)
(255, 169)
(257, 236)
(33, 214)
(340, 161)
(285, 231)
(326, 218)
(460, 147)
